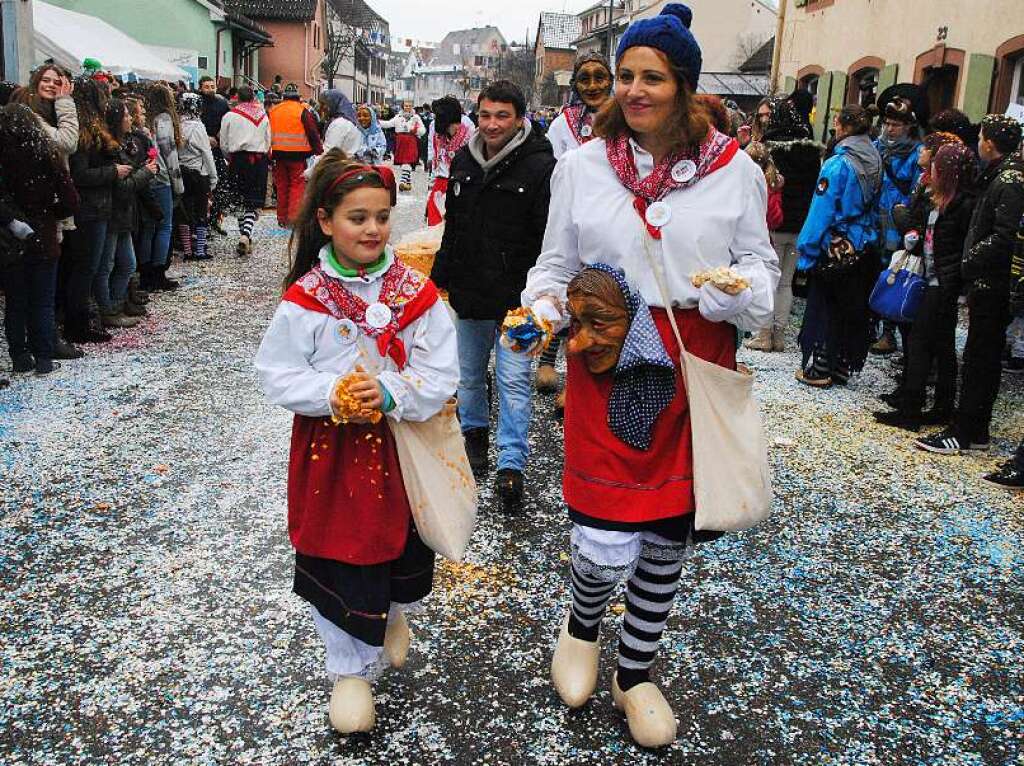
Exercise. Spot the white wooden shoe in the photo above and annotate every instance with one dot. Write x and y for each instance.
(651, 720)
(574, 667)
(351, 708)
(396, 641)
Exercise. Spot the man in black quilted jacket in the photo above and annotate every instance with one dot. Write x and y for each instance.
(496, 210)
(988, 251)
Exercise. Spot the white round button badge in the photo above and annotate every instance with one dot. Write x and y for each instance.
(683, 171)
(378, 316)
(456, 188)
(586, 131)
(347, 332)
(659, 214)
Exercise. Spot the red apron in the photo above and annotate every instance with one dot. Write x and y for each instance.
(434, 214)
(346, 498)
(607, 479)
(407, 149)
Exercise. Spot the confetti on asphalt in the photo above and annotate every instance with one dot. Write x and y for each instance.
(147, 614)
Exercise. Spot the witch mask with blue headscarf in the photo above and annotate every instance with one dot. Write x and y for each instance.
(613, 331)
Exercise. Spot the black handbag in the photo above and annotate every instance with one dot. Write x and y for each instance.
(840, 259)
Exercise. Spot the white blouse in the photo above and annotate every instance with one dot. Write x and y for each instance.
(719, 221)
(303, 355)
(561, 137)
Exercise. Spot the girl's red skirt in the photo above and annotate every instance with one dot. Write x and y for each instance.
(407, 149)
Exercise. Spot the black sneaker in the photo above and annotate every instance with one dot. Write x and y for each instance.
(24, 363)
(943, 443)
(64, 350)
(1014, 365)
(45, 367)
(476, 450)
(1007, 477)
(899, 419)
(509, 486)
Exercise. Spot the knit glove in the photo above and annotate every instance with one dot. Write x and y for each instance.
(20, 229)
(718, 306)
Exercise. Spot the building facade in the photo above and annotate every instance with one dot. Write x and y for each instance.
(464, 62)
(966, 55)
(554, 55)
(299, 30)
(203, 37)
(17, 49)
(358, 51)
(594, 28)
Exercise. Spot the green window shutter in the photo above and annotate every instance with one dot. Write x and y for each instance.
(978, 90)
(887, 77)
(839, 83)
(821, 109)
(789, 85)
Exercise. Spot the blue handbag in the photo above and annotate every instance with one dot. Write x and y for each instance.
(898, 293)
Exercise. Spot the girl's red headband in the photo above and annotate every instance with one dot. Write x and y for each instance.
(384, 173)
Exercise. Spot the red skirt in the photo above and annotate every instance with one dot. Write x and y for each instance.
(434, 214)
(346, 498)
(607, 479)
(407, 149)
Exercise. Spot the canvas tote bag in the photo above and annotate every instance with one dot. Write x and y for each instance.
(438, 480)
(731, 478)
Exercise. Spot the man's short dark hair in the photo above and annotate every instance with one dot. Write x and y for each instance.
(245, 93)
(205, 78)
(505, 92)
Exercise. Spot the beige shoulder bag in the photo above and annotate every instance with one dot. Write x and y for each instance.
(731, 479)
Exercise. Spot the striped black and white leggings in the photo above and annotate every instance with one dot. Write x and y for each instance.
(651, 566)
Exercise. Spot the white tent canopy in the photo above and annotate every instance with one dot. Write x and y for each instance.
(69, 38)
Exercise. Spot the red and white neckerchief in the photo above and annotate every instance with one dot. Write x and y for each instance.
(406, 293)
(676, 171)
(252, 111)
(446, 146)
(581, 122)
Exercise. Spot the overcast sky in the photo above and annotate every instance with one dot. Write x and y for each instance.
(431, 20)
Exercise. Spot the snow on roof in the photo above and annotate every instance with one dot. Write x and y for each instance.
(558, 30)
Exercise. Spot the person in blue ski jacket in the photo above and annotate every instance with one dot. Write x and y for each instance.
(834, 336)
(900, 149)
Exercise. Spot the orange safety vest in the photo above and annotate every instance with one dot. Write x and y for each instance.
(288, 134)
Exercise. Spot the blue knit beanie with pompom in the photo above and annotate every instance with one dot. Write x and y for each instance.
(669, 32)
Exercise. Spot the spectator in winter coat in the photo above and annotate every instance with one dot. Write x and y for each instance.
(110, 288)
(199, 173)
(899, 147)
(168, 184)
(35, 194)
(798, 160)
(835, 240)
(939, 215)
(988, 250)
(496, 212)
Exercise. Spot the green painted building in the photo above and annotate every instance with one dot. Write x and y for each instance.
(200, 36)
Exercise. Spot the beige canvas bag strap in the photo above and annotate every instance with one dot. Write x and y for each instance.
(659, 277)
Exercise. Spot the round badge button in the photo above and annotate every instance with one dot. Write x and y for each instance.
(378, 316)
(586, 131)
(456, 188)
(659, 214)
(683, 171)
(347, 332)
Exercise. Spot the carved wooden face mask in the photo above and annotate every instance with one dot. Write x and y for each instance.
(600, 320)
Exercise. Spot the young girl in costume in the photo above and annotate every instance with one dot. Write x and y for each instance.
(357, 336)
(450, 132)
(409, 129)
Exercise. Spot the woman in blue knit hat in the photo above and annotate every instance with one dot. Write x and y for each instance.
(658, 188)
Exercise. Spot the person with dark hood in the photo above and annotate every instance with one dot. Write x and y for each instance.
(339, 115)
(590, 89)
(986, 270)
(900, 149)
(835, 243)
(797, 157)
(35, 195)
(448, 134)
(803, 101)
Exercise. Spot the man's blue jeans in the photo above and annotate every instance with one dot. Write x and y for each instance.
(513, 381)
